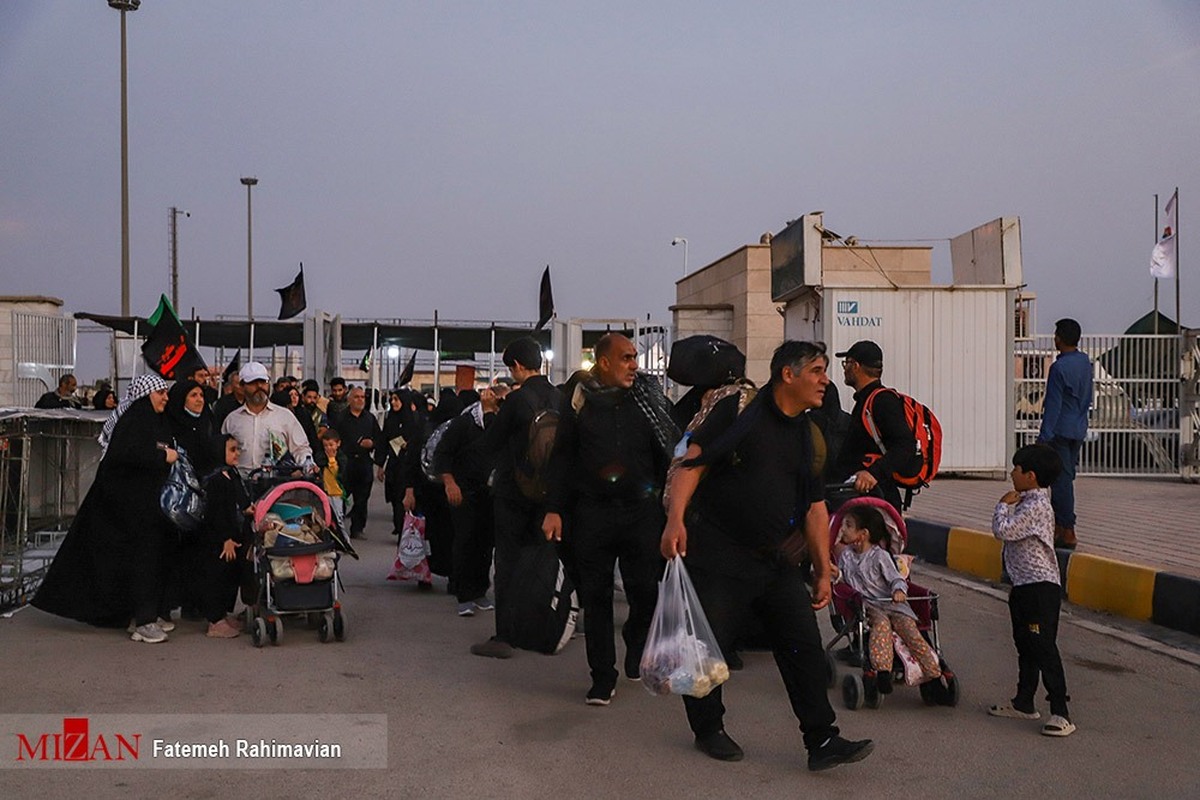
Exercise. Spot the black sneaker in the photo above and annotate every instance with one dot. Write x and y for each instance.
(884, 681)
(719, 746)
(838, 751)
(633, 667)
(599, 696)
(492, 648)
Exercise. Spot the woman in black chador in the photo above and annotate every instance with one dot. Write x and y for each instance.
(110, 566)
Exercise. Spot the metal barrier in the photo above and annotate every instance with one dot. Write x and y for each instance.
(44, 351)
(1134, 423)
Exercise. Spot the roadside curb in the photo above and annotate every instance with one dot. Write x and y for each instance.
(1103, 584)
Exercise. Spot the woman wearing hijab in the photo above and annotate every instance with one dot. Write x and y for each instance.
(110, 564)
(104, 400)
(398, 452)
(431, 499)
(190, 421)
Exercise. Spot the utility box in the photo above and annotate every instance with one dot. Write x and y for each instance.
(951, 347)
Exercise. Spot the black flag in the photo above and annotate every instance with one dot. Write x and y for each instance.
(233, 367)
(407, 375)
(545, 301)
(168, 350)
(365, 363)
(291, 297)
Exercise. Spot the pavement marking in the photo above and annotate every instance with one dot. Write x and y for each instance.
(974, 553)
(1110, 585)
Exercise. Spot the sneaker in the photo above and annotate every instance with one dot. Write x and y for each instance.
(149, 632)
(1008, 711)
(633, 667)
(483, 604)
(236, 622)
(719, 746)
(466, 609)
(837, 751)
(492, 648)
(883, 681)
(166, 624)
(599, 696)
(222, 630)
(1058, 725)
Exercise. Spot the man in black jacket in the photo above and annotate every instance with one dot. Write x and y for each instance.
(872, 459)
(610, 460)
(746, 529)
(63, 397)
(360, 432)
(518, 519)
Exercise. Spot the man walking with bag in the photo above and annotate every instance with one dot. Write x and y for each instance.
(745, 530)
(610, 459)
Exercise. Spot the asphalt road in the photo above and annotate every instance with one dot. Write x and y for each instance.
(463, 726)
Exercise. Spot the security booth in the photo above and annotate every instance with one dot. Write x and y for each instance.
(950, 347)
(48, 461)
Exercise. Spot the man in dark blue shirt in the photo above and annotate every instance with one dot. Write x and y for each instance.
(1064, 422)
(750, 520)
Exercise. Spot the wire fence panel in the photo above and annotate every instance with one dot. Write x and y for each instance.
(1133, 424)
(43, 351)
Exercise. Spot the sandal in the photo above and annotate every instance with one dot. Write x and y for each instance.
(1009, 712)
(1058, 726)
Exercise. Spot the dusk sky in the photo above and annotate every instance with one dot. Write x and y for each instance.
(437, 155)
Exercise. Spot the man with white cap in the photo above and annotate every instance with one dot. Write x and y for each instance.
(266, 431)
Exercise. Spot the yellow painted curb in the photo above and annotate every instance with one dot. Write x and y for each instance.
(1106, 584)
(974, 553)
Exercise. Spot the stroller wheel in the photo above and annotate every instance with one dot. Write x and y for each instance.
(339, 625)
(275, 630)
(325, 627)
(872, 697)
(929, 692)
(852, 692)
(830, 671)
(951, 690)
(258, 632)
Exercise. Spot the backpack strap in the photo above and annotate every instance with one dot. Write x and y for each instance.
(868, 419)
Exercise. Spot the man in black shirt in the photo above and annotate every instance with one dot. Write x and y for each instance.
(863, 458)
(607, 473)
(746, 530)
(360, 432)
(63, 397)
(518, 519)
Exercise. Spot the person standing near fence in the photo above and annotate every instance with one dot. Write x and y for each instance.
(1065, 422)
(745, 529)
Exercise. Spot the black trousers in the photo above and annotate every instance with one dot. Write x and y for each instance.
(604, 535)
(1034, 609)
(518, 522)
(474, 538)
(358, 482)
(221, 581)
(780, 601)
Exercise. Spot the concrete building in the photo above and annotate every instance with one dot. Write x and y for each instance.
(37, 346)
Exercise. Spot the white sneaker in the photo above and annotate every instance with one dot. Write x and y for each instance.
(150, 633)
(165, 624)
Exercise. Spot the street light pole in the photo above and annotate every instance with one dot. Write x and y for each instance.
(248, 183)
(682, 241)
(123, 6)
(174, 235)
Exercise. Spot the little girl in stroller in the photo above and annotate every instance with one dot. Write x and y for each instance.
(867, 565)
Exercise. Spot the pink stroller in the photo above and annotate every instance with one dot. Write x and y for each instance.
(848, 614)
(295, 563)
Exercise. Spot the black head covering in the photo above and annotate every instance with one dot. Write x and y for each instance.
(448, 407)
(98, 402)
(176, 397)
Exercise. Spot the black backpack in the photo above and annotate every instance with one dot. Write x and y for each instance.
(531, 470)
(545, 605)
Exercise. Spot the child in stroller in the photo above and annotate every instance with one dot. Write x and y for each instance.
(872, 597)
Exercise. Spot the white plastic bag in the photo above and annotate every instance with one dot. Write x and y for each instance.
(912, 669)
(681, 655)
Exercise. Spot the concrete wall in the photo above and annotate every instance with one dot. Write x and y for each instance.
(731, 298)
(868, 266)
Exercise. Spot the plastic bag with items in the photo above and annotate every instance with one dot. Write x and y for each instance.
(681, 655)
(182, 496)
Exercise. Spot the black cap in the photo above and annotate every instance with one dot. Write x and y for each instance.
(524, 351)
(866, 353)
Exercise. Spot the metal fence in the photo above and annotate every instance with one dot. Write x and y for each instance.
(1134, 422)
(43, 351)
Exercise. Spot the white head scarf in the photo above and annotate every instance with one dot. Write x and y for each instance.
(141, 387)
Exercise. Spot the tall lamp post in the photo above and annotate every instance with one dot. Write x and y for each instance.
(174, 235)
(682, 241)
(123, 6)
(249, 183)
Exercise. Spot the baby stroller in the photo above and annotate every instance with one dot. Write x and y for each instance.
(850, 621)
(295, 559)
